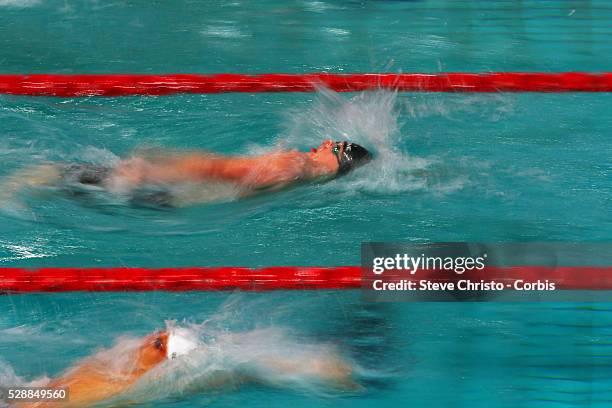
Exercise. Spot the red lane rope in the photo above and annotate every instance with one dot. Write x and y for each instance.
(15, 280)
(177, 279)
(133, 84)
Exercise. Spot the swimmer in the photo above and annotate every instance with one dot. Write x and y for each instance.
(248, 174)
(112, 372)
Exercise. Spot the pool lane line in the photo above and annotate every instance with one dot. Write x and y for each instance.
(20, 280)
(80, 85)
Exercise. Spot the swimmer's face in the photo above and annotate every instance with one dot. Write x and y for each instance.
(153, 350)
(327, 155)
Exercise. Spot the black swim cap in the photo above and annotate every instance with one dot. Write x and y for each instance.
(352, 157)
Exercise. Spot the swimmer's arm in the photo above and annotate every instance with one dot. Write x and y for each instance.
(255, 172)
(88, 384)
(183, 168)
(204, 168)
(80, 395)
(330, 368)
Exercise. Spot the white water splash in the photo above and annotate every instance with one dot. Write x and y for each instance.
(225, 360)
(380, 121)
(371, 119)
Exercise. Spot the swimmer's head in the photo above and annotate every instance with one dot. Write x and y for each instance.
(350, 156)
(153, 350)
(342, 157)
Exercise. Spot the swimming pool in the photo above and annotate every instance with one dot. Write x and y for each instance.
(504, 167)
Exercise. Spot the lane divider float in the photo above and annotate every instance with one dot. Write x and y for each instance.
(18, 280)
(81, 85)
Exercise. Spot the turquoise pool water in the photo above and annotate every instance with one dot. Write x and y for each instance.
(509, 167)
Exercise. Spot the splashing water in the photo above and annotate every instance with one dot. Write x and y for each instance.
(8, 376)
(270, 356)
(231, 353)
(371, 119)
